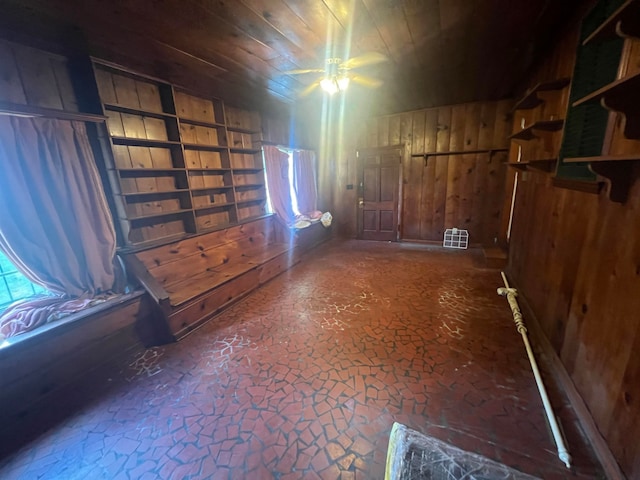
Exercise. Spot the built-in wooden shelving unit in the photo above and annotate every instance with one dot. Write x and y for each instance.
(621, 96)
(178, 164)
(531, 98)
(613, 167)
(529, 133)
(538, 126)
(624, 22)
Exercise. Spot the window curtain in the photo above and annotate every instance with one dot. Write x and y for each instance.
(55, 224)
(276, 165)
(304, 180)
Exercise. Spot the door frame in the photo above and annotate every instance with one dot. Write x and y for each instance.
(400, 148)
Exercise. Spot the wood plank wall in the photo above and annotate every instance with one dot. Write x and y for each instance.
(34, 77)
(275, 129)
(464, 191)
(576, 259)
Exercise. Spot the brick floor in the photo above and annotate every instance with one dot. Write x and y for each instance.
(305, 377)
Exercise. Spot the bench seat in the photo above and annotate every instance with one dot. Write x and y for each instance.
(193, 279)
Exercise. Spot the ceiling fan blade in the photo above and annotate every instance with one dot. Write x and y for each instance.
(310, 88)
(370, 58)
(366, 81)
(304, 70)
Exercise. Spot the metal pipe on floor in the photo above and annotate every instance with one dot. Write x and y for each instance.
(511, 294)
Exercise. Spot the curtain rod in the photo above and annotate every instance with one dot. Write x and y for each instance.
(30, 111)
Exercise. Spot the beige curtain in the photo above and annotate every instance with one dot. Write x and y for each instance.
(276, 165)
(55, 225)
(304, 180)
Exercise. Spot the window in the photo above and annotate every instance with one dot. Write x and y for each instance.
(291, 182)
(292, 188)
(14, 285)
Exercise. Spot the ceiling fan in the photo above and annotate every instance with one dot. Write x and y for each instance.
(337, 73)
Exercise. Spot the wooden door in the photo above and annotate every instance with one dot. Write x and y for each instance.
(379, 193)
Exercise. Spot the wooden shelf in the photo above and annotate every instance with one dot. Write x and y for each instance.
(249, 185)
(624, 22)
(136, 111)
(615, 168)
(158, 215)
(247, 202)
(143, 171)
(244, 170)
(544, 164)
(208, 189)
(243, 130)
(160, 192)
(528, 133)
(531, 100)
(143, 142)
(210, 148)
(244, 150)
(149, 244)
(200, 123)
(522, 166)
(207, 170)
(605, 158)
(621, 96)
(214, 206)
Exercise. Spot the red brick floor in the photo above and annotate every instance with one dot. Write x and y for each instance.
(305, 377)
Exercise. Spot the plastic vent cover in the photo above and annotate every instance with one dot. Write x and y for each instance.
(455, 238)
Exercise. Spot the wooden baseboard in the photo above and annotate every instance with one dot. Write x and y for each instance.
(563, 380)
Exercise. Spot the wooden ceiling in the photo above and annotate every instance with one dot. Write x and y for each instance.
(439, 51)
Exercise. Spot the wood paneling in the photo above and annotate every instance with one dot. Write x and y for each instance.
(39, 362)
(36, 78)
(576, 259)
(458, 51)
(463, 191)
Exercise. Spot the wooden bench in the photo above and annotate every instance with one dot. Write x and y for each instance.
(193, 279)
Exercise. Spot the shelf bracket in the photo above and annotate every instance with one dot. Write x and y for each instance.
(618, 177)
(626, 107)
(628, 27)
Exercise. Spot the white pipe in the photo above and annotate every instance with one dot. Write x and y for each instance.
(511, 294)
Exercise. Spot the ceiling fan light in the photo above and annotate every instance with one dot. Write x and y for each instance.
(329, 85)
(343, 83)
